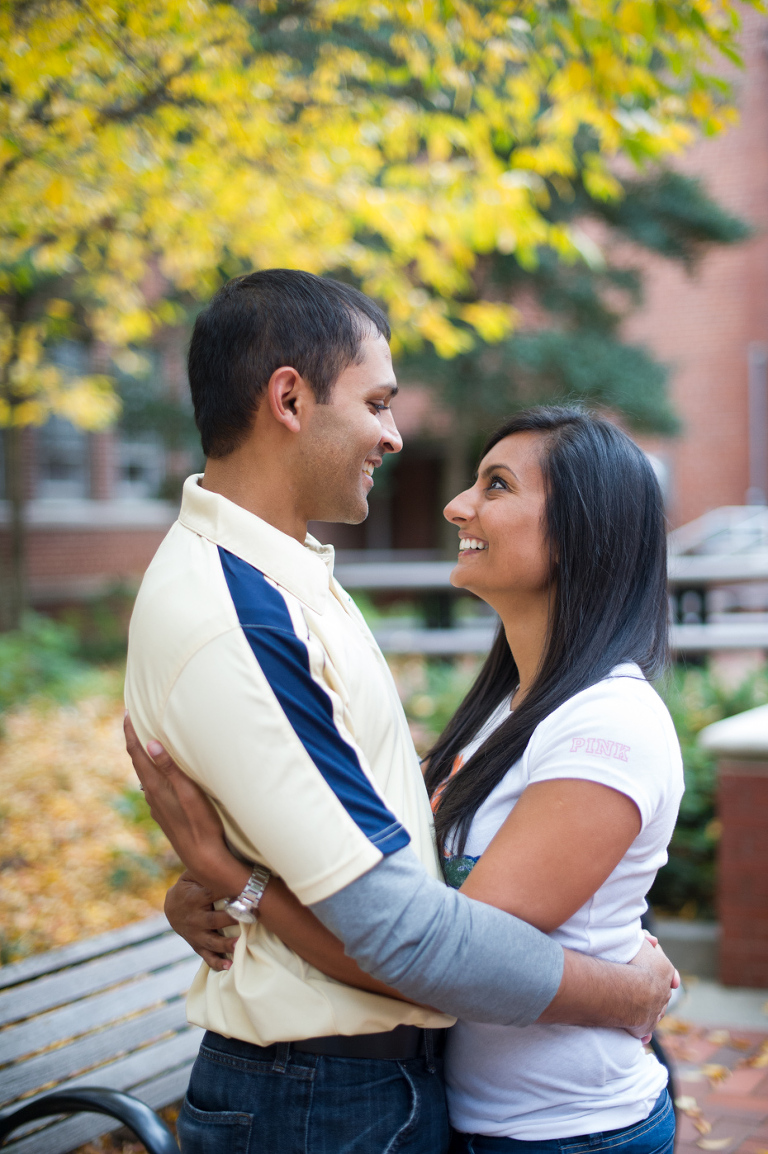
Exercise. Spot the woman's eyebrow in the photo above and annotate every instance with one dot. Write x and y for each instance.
(486, 472)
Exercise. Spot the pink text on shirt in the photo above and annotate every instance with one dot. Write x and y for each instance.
(596, 745)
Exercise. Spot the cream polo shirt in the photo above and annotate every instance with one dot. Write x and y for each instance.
(256, 671)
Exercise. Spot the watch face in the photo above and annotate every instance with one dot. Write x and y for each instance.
(240, 911)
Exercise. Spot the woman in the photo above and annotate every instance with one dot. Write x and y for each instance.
(556, 785)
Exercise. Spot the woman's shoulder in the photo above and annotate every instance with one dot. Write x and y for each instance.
(617, 732)
(626, 689)
(622, 710)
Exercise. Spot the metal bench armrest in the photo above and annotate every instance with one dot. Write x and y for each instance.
(137, 1116)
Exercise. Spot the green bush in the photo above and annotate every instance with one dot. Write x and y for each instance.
(101, 625)
(686, 885)
(41, 657)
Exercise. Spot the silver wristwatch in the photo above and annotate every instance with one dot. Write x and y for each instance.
(244, 908)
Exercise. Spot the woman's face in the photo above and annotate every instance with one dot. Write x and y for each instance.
(503, 548)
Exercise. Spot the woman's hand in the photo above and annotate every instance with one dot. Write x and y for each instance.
(186, 817)
(189, 909)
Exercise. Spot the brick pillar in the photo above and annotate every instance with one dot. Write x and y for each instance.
(743, 871)
(102, 461)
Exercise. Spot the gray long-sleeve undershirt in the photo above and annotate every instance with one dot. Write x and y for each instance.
(441, 948)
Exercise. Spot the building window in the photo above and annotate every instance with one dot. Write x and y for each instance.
(62, 460)
(140, 467)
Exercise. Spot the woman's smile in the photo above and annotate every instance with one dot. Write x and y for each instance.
(469, 544)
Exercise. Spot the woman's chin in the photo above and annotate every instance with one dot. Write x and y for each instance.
(459, 577)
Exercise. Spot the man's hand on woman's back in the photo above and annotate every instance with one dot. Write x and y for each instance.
(190, 910)
(632, 997)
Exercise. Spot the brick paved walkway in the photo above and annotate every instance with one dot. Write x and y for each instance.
(722, 1088)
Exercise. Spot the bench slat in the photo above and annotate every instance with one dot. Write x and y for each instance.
(81, 1128)
(47, 963)
(45, 993)
(75, 1019)
(90, 1051)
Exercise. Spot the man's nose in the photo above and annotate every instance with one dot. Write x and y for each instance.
(391, 441)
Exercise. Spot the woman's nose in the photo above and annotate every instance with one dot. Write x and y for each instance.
(459, 509)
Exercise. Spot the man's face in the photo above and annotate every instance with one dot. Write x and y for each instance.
(348, 437)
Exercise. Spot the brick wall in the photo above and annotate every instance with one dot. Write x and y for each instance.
(66, 564)
(702, 324)
(743, 872)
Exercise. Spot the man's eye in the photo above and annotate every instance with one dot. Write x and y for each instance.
(381, 408)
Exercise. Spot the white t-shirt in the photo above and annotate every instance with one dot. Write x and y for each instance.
(547, 1082)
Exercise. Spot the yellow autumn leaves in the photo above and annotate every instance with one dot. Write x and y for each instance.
(76, 859)
(150, 147)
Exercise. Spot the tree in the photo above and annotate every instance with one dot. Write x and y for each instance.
(151, 148)
(573, 349)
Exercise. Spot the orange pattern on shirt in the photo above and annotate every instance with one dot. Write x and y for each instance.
(436, 798)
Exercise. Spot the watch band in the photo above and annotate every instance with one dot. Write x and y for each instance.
(244, 908)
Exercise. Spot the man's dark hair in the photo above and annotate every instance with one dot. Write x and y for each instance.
(258, 322)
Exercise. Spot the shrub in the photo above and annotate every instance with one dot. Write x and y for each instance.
(695, 698)
(41, 657)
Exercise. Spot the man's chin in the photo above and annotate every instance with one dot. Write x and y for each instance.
(348, 515)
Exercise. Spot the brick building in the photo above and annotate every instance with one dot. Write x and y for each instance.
(711, 326)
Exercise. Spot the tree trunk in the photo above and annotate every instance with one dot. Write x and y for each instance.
(13, 592)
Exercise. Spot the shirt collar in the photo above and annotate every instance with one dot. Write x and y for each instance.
(304, 570)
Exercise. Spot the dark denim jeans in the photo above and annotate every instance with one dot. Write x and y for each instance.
(306, 1104)
(654, 1135)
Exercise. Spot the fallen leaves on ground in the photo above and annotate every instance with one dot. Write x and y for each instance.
(691, 1108)
(758, 1061)
(680, 1043)
(716, 1073)
(673, 1025)
(719, 1037)
(80, 854)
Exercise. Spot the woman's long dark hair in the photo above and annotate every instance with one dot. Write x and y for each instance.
(604, 519)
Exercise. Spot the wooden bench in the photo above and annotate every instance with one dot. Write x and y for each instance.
(107, 1013)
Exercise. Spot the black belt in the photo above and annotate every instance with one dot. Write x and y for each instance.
(397, 1045)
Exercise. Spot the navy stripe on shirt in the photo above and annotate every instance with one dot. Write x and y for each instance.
(284, 659)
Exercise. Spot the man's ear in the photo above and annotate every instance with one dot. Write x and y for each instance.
(288, 396)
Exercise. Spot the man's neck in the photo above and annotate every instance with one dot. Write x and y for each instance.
(265, 493)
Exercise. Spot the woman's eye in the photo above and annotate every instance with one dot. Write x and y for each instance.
(496, 483)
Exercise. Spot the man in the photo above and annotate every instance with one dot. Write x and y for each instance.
(258, 675)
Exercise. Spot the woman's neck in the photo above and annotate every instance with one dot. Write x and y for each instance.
(526, 628)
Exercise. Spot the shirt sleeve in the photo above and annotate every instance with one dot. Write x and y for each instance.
(612, 734)
(442, 948)
(251, 719)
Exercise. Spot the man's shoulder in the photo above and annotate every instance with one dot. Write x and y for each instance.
(182, 605)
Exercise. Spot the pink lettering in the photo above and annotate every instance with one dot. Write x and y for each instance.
(599, 747)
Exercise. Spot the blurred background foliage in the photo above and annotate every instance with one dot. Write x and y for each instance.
(76, 832)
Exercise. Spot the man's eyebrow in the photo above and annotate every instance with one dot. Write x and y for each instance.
(393, 390)
(486, 472)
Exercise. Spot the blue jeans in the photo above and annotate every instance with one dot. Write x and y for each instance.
(307, 1104)
(654, 1135)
